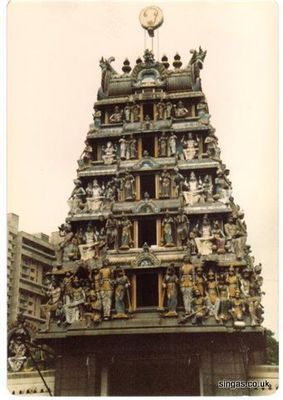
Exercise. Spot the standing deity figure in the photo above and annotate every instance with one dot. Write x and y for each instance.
(132, 148)
(200, 280)
(65, 237)
(212, 298)
(208, 189)
(93, 305)
(111, 227)
(183, 226)
(168, 110)
(116, 117)
(129, 186)
(124, 148)
(202, 113)
(49, 309)
(106, 288)
(122, 285)
(199, 307)
(224, 311)
(94, 196)
(194, 194)
(232, 282)
(165, 184)
(235, 237)
(77, 199)
(127, 113)
(136, 112)
(218, 238)
(187, 284)
(96, 118)
(190, 147)
(170, 285)
(180, 111)
(75, 302)
(205, 242)
(223, 190)
(252, 302)
(212, 149)
(237, 308)
(87, 156)
(172, 147)
(179, 180)
(160, 108)
(126, 234)
(116, 184)
(163, 145)
(167, 229)
(109, 153)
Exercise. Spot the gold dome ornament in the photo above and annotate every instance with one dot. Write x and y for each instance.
(151, 18)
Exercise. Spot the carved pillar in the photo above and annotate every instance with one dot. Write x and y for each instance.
(154, 113)
(139, 148)
(160, 291)
(136, 234)
(141, 113)
(158, 232)
(104, 381)
(138, 188)
(156, 146)
(193, 110)
(106, 117)
(134, 292)
(201, 147)
(99, 152)
(157, 186)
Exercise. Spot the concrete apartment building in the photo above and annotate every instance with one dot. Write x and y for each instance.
(29, 258)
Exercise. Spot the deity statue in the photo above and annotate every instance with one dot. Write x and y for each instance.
(218, 238)
(170, 284)
(208, 189)
(87, 155)
(172, 145)
(223, 188)
(237, 308)
(224, 312)
(187, 283)
(212, 149)
(133, 148)
(94, 196)
(111, 227)
(106, 288)
(126, 234)
(116, 117)
(235, 237)
(124, 148)
(77, 199)
(129, 186)
(109, 153)
(116, 184)
(199, 307)
(127, 113)
(160, 107)
(163, 145)
(183, 226)
(75, 302)
(122, 285)
(194, 194)
(202, 113)
(93, 305)
(232, 282)
(168, 110)
(136, 112)
(147, 122)
(87, 250)
(180, 111)
(167, 228)
(48, 309)
(96, 118)
(165, 184)
(205, 242)
(190, 146)
(250, 298)
(66, 235)
(200, 280)
(211, 290)
(179, 180)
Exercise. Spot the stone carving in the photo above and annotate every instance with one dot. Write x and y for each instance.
(61, 248)
(126, 234)
(109, 153)
(96, 118)
(183, 226)
(136, 112)
(167, 230)
(124, 149)
(168, 110)
(172, 145)
(86, 157)
(235, 237)
(133, 148)
(74, 302)
(194, 193)
(205, 241)
(111, 228)
(106, 288)
(128, 183)
(48, 309)
(107, 73)
(76, 201)
(160, 110)
(190, 147)
(212, 149)
(116, 117)
(165, 185)
(146, 206)
(93, 304)
(146, 258)
(127, 113)
(122, 285)
(170, 285)
(94, 196)
(163, 145)
(187, 284)
(196, 64)
(180, 111)
(202, 113)
(179, 181)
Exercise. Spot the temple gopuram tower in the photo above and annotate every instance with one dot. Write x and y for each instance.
(155, 290)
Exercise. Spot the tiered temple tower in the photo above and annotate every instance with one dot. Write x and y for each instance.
(154, 291)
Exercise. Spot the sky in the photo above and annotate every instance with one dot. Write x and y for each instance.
(53, 71)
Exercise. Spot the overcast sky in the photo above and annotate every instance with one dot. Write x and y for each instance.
(53, 78)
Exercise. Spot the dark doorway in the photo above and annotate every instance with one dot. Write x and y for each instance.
(147, 290)
(147, 184)
(148, 145)
(147, 232)
(163, 377)
(148, 111)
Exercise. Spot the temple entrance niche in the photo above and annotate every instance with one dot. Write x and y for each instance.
(147, 185)
(152, 377)
(147, 289)
(148, 145)
(147, 231)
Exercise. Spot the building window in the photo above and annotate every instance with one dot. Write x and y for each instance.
(148, 145)
(147, 184)
(147, 289)
(147, 232)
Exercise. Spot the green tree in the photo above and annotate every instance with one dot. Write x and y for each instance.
(272, 348)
